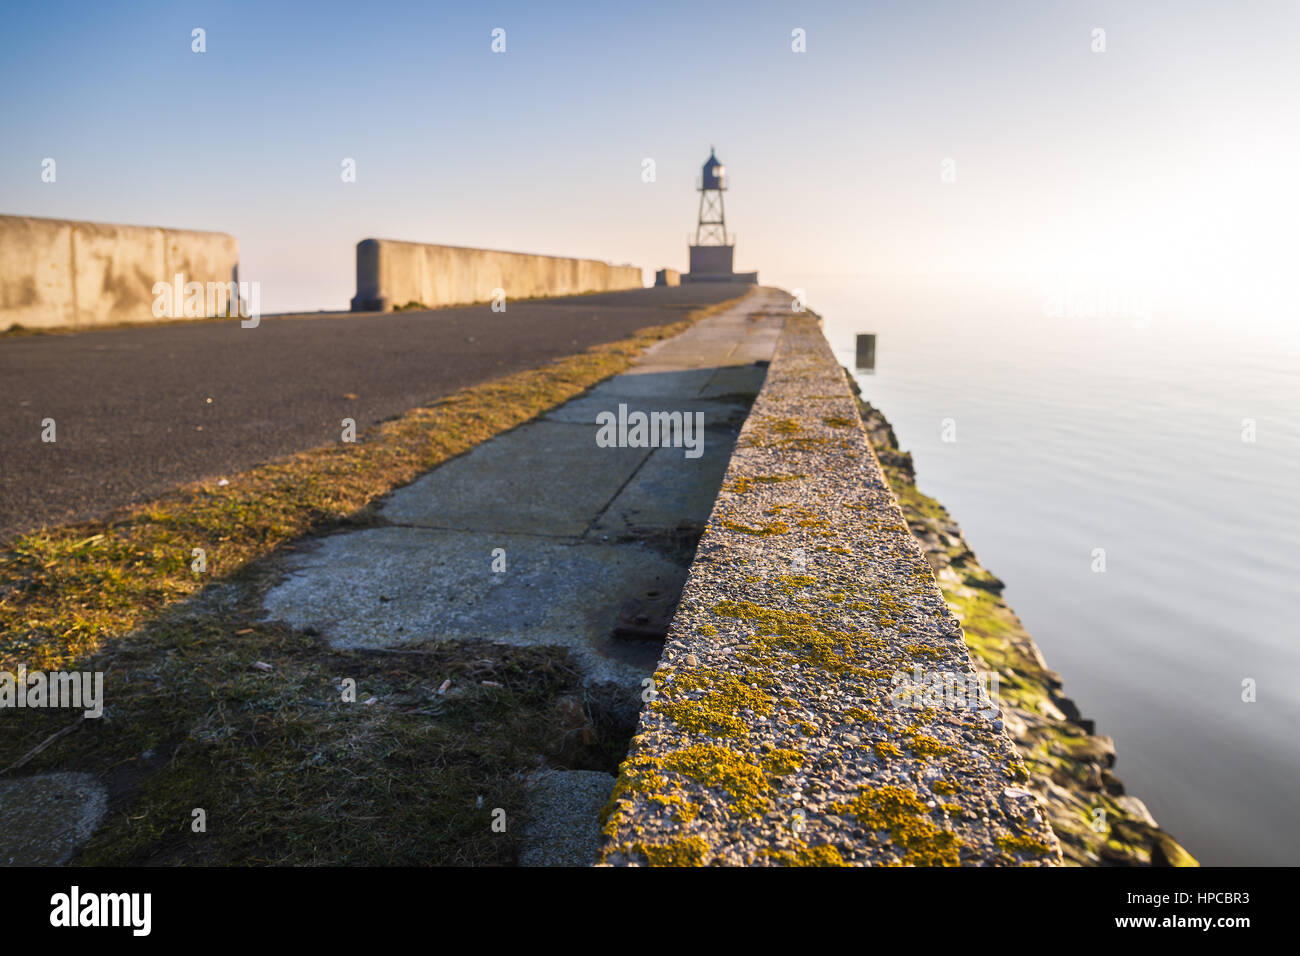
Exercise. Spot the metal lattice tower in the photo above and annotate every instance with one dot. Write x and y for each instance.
(712, 227)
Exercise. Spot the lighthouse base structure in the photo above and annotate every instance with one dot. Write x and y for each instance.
(714, 264)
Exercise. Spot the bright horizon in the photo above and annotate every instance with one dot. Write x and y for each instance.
(1163, 165)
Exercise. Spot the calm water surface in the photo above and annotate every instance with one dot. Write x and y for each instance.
(1124, 432)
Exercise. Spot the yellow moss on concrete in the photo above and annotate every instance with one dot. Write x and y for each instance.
(782, 761)
(727, 770)
(904, 815)
(823, 855)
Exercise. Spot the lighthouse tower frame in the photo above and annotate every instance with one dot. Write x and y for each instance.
(712, 249)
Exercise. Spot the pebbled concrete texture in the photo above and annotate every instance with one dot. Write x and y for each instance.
(790, 727)
(49, 816)
(563, 807)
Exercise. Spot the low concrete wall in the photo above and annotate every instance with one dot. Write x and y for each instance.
(58, 273)
(668, 277)
(816, 703)
(392, 274)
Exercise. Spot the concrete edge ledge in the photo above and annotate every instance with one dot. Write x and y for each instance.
(815, 703)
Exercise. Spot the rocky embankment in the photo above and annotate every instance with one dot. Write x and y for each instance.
(1070, 765)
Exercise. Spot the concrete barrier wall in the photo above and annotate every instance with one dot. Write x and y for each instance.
(57, 273)
(816, 703)
(392, 274)
(668, 277)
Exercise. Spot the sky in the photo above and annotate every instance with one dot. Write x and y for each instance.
(1168, 160)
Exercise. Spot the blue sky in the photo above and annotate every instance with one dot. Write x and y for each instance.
(1171, 154)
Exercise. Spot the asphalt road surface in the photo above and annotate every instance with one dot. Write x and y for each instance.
(141, 410)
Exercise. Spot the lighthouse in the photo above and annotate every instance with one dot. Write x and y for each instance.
(713, 248)
(711, 230)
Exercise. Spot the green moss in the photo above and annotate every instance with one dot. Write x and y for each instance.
(1015, 770)
(997, 640)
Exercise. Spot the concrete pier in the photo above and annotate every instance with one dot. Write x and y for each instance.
(816, 703)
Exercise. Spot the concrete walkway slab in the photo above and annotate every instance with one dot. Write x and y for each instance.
(657, 381)
(583, 411)
(543, 478)
(389, 587)
(669, 490)
(736, 380)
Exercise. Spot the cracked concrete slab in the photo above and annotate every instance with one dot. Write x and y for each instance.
(388, 586)
(547, 477)
(669, 490)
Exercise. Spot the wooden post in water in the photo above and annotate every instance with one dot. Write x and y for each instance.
(866, 352)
